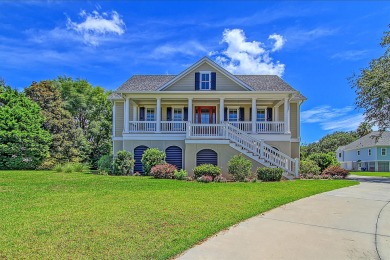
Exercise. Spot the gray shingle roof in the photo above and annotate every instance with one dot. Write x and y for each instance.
(369, 141)
(114, 96)
(257, 82)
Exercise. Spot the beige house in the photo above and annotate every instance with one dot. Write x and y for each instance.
(206, 115)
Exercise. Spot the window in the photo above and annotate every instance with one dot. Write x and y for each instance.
(177, 114)
(369, 152)
(260, 114)
(358, 152)
(205, 81)
(339, 155)
(233, 114)
(150, 114)
(383, 151)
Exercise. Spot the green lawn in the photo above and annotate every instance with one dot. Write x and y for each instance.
(376, 174)
(68, 216)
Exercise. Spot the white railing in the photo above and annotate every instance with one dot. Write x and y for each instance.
(142, 126)
(270, 127)
(263, 150)
(173, 126)
(243, 126)
(206, 131)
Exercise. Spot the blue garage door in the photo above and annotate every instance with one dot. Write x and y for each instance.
(174, 156)
(206, 156)
(138, 152)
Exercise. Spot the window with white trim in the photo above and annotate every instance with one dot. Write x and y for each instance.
(369, 152)
(177, 114)
(261, 115)
(383, 151)
(205, 81)
(233, 114)
(150, 114)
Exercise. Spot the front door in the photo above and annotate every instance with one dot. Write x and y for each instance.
(205, 115)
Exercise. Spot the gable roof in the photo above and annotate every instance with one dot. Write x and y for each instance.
(368, 141)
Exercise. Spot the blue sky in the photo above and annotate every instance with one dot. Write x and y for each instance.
(315, 46)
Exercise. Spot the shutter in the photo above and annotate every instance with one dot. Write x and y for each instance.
(213, 81)
(138, 152)
(242, 115)
(250, 114)
(206, 156)
(225, 114)
(197, 80)
(141, 114)
(174, 156)
(169, 114)
(269, 113)
(185, 116)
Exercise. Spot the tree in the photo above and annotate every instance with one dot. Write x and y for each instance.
(323, 160)
(92, 112)
(364, 129)
(67, 142)
(24, 143)
(330, 142)
(372, 87)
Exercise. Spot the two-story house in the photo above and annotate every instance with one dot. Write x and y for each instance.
(206, 115)
(367, 153)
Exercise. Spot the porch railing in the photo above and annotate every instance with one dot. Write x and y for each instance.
(270, 127)
(173, 126)
(142, 126)
(206, 131)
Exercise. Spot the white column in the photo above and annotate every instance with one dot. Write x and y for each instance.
(254, 115)
(126, 115)
(221, 110)
(158, 116)
(286, 116)
(276, 109)
(113, 118)
(190, 110)
(135, 108)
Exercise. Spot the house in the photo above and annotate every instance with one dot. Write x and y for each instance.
(206, 115)
(367, 153)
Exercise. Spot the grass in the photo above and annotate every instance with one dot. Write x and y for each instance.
(374, 174)
(47, 214)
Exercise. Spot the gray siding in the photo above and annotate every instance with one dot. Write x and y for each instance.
(119, 117)
(187, 83)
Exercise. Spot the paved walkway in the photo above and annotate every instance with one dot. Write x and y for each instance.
(349, 223)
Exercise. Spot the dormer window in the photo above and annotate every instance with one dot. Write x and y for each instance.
(205, 81)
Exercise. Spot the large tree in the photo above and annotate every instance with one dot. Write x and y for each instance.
(68, 144)
(91, 111)
(24, 144)
(372, 87)
(363, 129)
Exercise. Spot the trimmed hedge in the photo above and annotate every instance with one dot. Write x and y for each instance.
(269, 174)
(123, 163)
(207, 169)
(239, 167)
(150, 158)
(163, 171)
(335, 171)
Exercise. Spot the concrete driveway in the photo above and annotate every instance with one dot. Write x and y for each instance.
(349, 223)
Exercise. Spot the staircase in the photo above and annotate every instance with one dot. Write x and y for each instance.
(246, 144)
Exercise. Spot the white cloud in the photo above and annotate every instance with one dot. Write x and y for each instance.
(336, 119)
(279, 41)
(352, 55)
(190, 48)
(244, 57)
(96, 26)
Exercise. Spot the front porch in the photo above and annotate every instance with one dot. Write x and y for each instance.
(201, 116)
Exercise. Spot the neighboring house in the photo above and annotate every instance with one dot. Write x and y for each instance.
(206, 115)
(366, 153)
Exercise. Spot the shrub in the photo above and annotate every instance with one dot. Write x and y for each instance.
(150, 158)
(180, 175)
(163, 171)
(58, 168)
(79, 167)
(123, 163)
(269, 174)
(309, 167)
(105, 164)
(323, 160)
(137, 174)
(250, 180)
(239, 167)
(205, 178)
(68, 168)
(207, 169)
(220, 178)
(336, 172)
